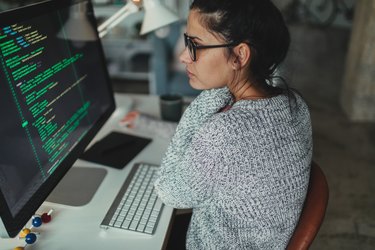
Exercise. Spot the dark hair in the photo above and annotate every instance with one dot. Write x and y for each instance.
(256, 22)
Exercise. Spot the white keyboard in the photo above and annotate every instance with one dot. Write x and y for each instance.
(136, 206)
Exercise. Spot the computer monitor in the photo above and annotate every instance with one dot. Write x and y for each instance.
(55, 95)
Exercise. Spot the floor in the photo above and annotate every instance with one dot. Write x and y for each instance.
(342, 148)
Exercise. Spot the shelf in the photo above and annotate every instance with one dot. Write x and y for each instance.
(122, 45)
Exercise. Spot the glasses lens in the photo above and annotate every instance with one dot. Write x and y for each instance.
(191, 49)
(186, 40)
(190, 45)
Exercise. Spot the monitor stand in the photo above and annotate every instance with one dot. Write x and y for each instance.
(74, 189)
(114, 150)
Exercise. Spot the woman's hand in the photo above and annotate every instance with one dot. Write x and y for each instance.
(130, 119)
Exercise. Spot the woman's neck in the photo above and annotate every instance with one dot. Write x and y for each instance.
(246, 91)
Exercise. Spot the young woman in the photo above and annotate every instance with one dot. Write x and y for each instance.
(241, 154)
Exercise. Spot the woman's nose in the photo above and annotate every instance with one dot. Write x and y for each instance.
(185, 56)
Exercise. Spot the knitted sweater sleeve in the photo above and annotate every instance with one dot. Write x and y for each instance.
(190, 158)
(191, 182)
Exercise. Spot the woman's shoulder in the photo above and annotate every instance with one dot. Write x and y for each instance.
(278, 108)
(226, 125)
(259, 115)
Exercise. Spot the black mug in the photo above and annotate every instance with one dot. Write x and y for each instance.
(171, 107)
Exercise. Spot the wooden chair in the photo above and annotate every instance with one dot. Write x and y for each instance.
(313, 210)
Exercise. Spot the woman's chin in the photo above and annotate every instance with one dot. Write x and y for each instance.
(195, 84)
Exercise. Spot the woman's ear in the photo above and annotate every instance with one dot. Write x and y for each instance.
(242, 54)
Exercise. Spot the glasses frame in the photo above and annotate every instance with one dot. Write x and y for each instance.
(192, 46)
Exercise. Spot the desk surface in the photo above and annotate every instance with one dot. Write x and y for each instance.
(79, 227)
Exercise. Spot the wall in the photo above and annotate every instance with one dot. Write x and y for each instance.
(358, 93)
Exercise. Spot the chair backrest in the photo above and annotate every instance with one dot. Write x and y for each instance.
(313, 210)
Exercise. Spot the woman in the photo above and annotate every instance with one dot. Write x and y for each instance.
(241, 154)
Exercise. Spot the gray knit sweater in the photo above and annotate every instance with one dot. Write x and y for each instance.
(244, 171)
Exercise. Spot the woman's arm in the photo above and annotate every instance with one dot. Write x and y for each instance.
(191, 180)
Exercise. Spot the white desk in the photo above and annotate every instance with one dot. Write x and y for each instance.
(79, 227)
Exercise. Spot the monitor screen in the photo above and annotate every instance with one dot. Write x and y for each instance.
(55, 96)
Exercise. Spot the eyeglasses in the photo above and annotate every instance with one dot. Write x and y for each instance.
(192, 47)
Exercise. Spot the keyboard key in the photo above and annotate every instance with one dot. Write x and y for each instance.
(141, 227)
(149, 230)
(126, 224)
(133, 225)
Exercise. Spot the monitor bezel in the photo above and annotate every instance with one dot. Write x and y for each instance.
(11, 224)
